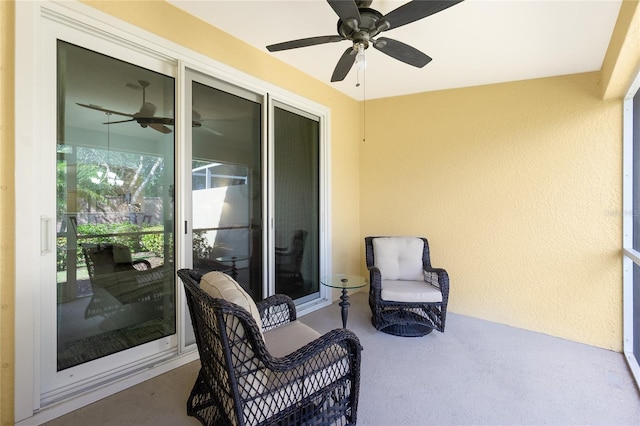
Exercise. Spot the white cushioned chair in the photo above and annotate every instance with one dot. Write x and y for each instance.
(259, 365)
(407, 296)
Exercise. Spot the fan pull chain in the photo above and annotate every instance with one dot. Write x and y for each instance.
(361, 67)
(108, 137)
(364, 105)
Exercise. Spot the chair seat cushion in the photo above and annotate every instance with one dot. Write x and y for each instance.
(289, 337)
(410, 291)
(283, 389)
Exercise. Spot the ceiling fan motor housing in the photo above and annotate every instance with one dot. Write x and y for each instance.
(365, 31)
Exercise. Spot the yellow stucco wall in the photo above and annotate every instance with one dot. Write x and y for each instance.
(7, 202)
(518, 188)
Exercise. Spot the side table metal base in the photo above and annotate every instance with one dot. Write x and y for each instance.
(344, 282)
(344, 304)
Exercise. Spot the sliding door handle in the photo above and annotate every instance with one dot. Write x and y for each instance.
(45, 235)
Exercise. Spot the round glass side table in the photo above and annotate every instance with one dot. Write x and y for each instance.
(344, 282)
(233, 260)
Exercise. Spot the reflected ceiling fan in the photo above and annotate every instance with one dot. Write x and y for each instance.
(146, 116)
(360, 24)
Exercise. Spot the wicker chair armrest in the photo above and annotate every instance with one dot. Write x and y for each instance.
(276, 310)
(443, 280)
(375, 278)
(375, 284)
(141, 264)
(148, 276)
(324, 343)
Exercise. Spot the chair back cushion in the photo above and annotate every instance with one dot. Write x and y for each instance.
(221, 286)
(247, 368)
(121, 254)
(399, 258)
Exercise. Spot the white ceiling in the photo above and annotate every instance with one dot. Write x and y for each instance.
(472, 43)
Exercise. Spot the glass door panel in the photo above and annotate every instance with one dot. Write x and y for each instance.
(226, 176)
(296, 204)
(114, 186)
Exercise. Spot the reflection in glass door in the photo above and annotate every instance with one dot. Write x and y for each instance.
(114, 221)
(296, 203)
(226, 176)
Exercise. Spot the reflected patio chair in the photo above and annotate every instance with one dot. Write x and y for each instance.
(117, 280)
(289, 259)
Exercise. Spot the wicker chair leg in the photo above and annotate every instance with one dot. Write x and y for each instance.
(202, 405)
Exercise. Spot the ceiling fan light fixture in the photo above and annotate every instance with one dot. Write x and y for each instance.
(361, 59)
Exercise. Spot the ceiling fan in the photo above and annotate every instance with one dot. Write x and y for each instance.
(360, 24)
(146, 118)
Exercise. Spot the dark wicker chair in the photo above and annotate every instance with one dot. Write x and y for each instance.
(407, 296)
(268, 373)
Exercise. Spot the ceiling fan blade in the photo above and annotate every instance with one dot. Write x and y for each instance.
(216, 122)
(348, 12)
(344, 65)
(157, 120)
(304, 42)
(159, 127)
(108, 111)
(121, 121)
(402, 52)
(416, 10)
(214, 131)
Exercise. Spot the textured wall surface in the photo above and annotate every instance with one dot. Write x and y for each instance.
(7, 203)
(518, 188)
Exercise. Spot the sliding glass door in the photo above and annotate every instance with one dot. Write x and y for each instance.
(114, 218)
(269, 241)
(114, 206)
(296, 190)
(226, 181)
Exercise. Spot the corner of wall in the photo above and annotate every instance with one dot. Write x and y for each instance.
(622, 60)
